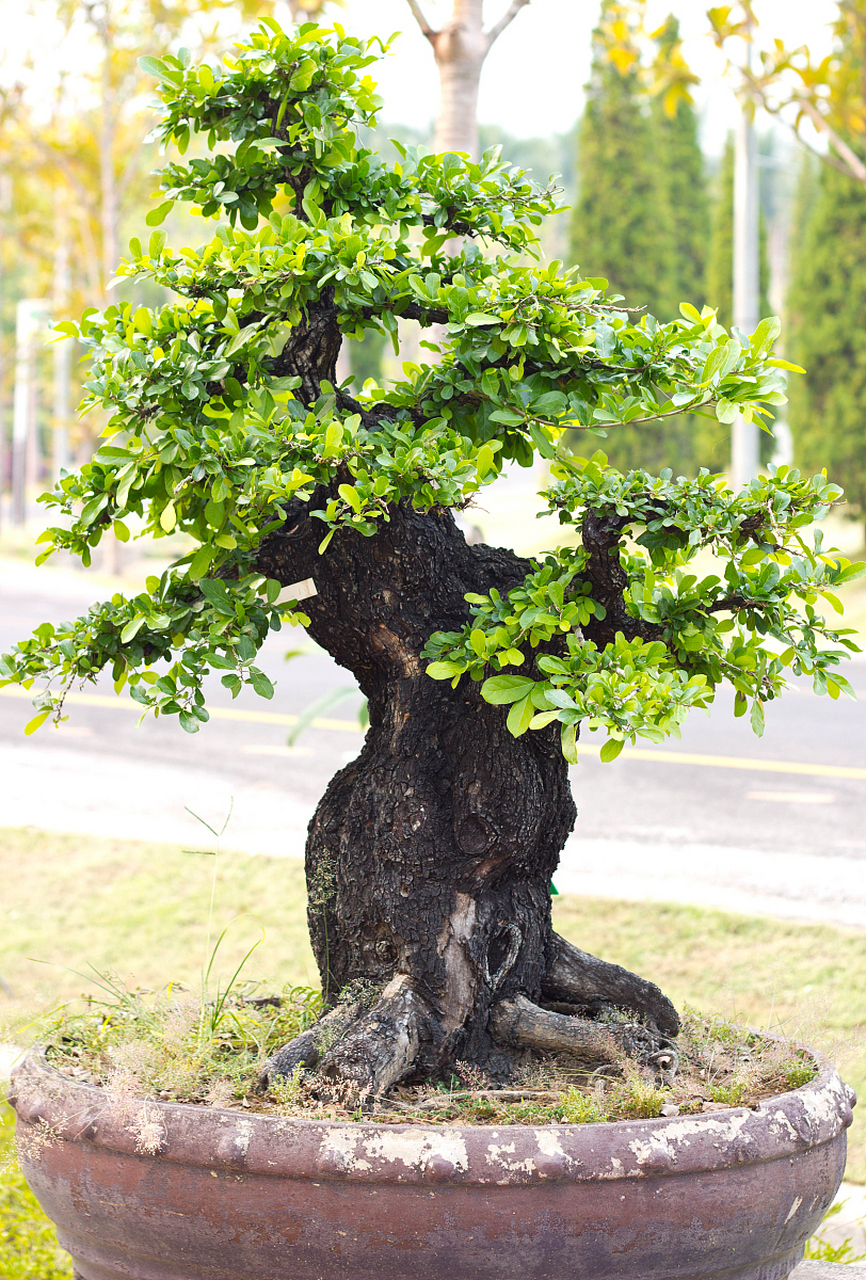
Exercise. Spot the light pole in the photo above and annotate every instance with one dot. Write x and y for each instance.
(30, 316)
(745, 455)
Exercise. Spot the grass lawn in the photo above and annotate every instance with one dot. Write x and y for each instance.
(142, 910)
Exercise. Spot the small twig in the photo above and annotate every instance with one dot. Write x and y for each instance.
(854, 164)
(426, 29)
(497, 29)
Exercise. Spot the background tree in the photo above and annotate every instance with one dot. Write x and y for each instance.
(429, 857)
(829, 93)
(460, 47)
(78, 168)
(680, 160)
(640, 216)
(827, 335)
(621, 225)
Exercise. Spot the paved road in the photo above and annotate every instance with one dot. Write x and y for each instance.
(773, 825)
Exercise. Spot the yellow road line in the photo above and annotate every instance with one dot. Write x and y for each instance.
(733, 762)
(217, 713)
(351, 726)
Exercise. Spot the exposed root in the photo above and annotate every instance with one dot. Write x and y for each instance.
(578, 978)
(307, 1048)
(382, 1046)
(520, 1022)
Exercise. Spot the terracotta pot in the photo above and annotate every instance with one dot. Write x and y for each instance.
(225, 1196)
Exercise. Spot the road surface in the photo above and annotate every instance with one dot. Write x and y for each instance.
(772, 825)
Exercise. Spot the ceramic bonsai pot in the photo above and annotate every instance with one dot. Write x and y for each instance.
(171, 1192)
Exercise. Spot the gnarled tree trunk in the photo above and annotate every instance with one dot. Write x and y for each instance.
(429, 858)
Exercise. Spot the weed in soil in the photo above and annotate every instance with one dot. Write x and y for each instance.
(170, 1047)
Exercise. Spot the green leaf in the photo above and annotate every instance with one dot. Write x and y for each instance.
(541, 441)
(500, 690)
(132, 629)
(484, 460)
(32, 725)
(851, 572)
(568, 738)
(143, 322)
(261, 683)
(757, 718)
(444, 670)
(156, 243)
(551, 404)
(765, 335)
(159, 214)
(215, 591)
(520, 716)
(153, 66)
(543, 719)
(349, 494)
(168, 517)
(611, 749)
(200, 563)
(478, 318)
(478, 640)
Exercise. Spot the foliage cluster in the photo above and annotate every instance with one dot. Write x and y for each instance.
(215, 429)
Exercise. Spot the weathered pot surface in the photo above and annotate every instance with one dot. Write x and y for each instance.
(162, 1191)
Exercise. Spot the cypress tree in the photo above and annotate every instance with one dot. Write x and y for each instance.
(826, 334)
(641, 215)
(620, 227)
(686, 207)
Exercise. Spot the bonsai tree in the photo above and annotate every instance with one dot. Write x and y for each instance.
(430, 857)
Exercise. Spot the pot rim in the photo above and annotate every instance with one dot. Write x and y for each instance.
(297, 1147)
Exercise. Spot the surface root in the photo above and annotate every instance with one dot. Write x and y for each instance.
(520, 1022)
(382, 1046)
(306, 1049)
(578, 978)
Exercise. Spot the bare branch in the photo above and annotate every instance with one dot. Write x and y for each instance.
(496, 31)
(855, 165)
(426, 29)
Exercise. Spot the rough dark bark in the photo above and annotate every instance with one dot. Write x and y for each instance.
(429, 858)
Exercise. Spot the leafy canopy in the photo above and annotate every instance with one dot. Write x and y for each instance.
(209, 436)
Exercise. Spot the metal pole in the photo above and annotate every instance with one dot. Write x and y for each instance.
(30, 314)
(62, 364)
(745, 455)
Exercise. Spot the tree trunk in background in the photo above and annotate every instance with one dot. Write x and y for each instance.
(460, 48)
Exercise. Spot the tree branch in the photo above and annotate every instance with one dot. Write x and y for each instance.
(854, 164)
(496, 31)
(426, 29)
(737, 602)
